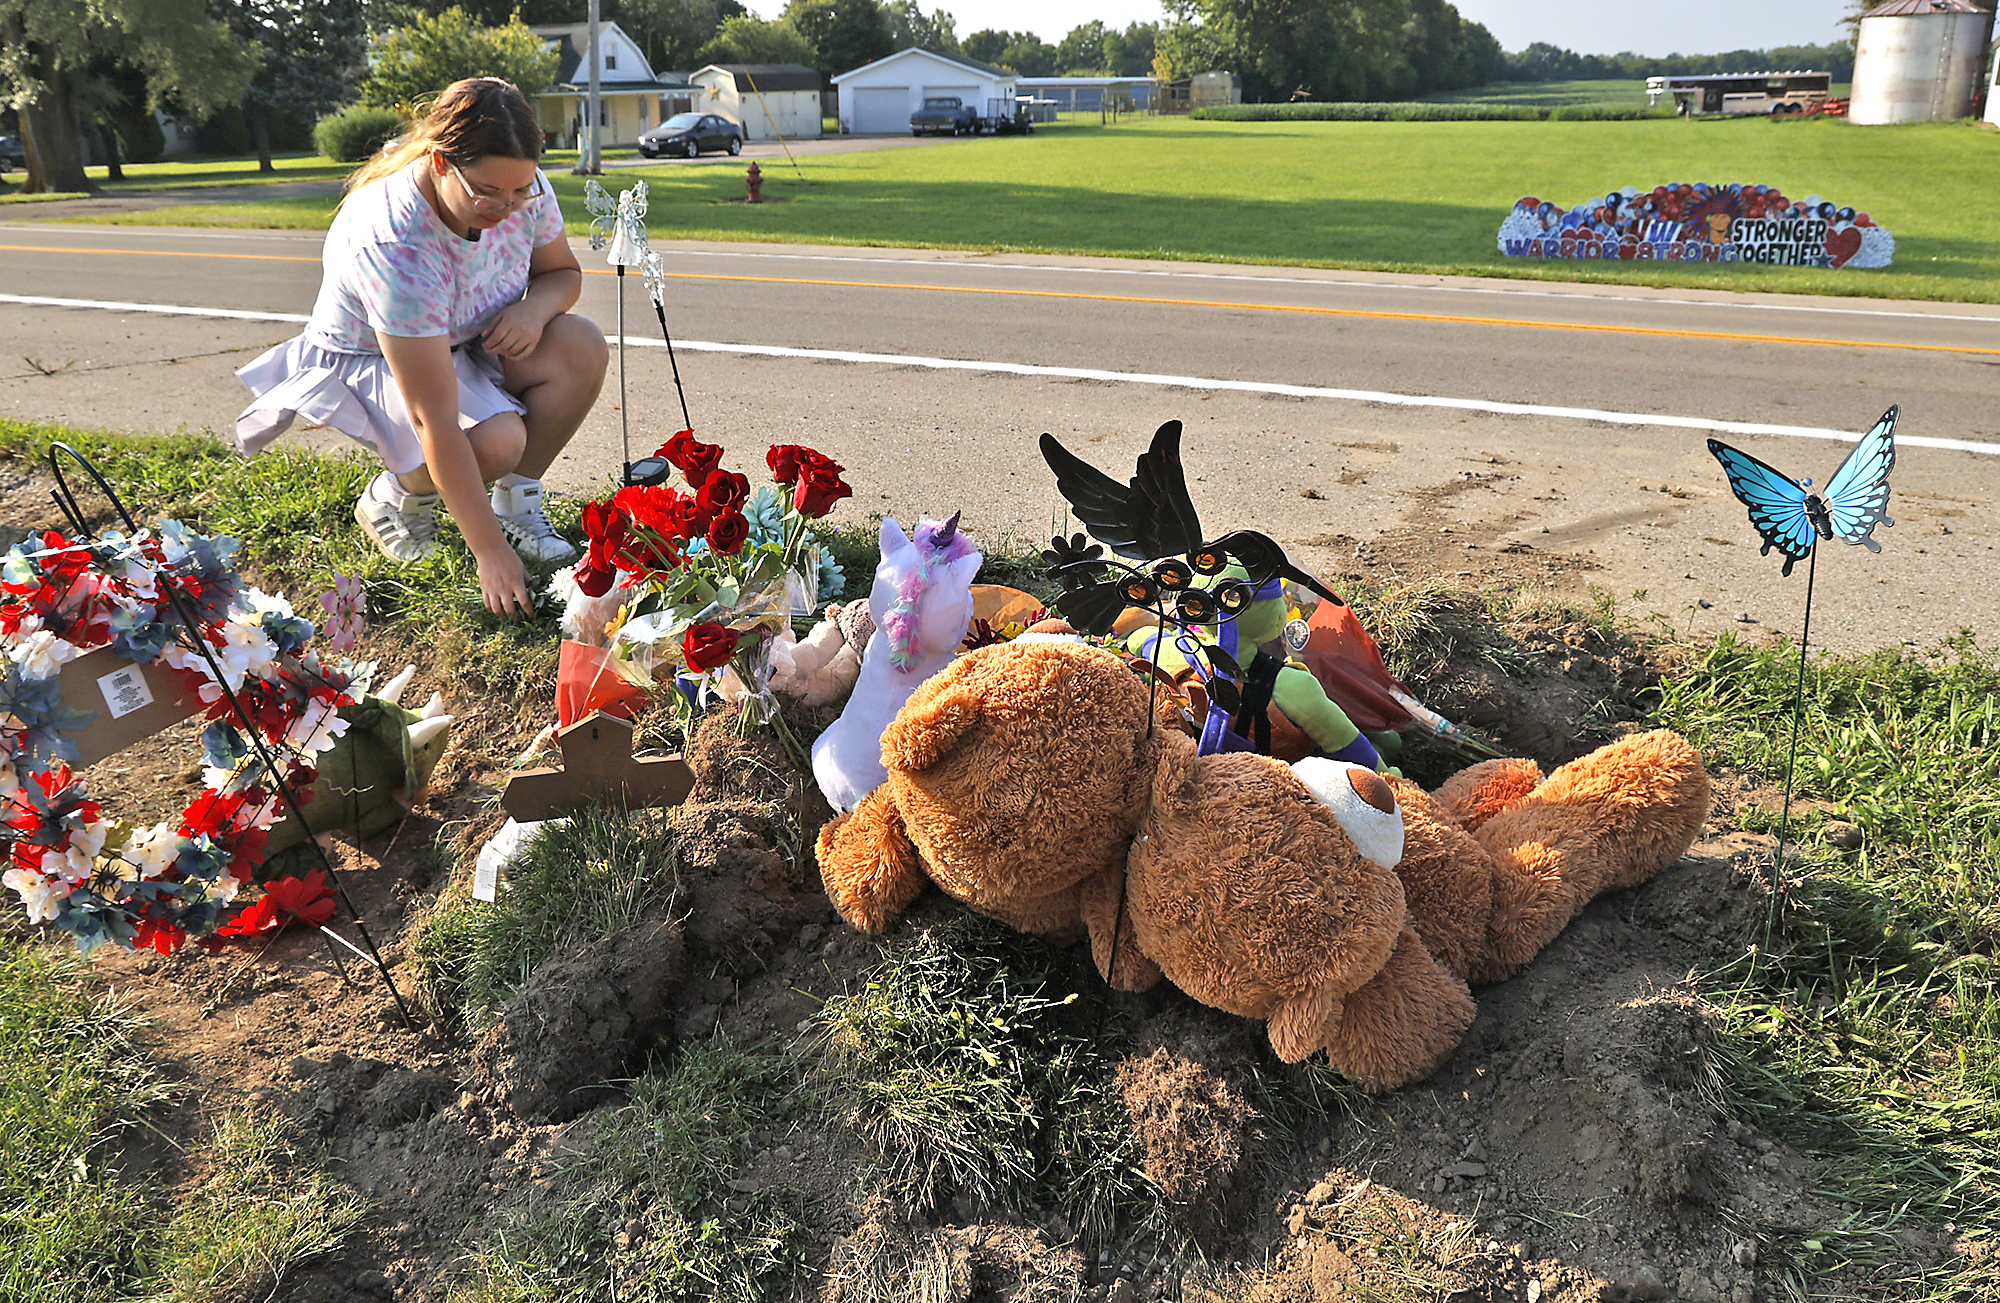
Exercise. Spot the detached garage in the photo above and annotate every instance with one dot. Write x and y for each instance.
(768, 100)
(878, 98)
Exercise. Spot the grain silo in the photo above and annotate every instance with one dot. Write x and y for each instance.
(1919, 61)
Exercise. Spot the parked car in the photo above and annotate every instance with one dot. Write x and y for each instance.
(11, 154)
(688, 134)
(944, 115)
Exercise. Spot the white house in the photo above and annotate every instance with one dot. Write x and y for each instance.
(768, 99)
(631, 97)
(879, 97)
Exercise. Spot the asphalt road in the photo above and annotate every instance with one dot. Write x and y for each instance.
(1549, 434)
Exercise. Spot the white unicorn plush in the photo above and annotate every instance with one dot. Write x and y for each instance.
(922, 604)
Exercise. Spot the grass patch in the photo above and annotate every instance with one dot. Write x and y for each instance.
(1394, 196)
(602, 871)
(972, 1064)
(1868, 1031)
(637, 1214)
(1423, 111)
(293, 510)
(71, 1077)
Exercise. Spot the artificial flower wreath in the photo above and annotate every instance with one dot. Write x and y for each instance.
(104, 880)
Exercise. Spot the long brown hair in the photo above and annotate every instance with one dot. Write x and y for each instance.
(480, 117)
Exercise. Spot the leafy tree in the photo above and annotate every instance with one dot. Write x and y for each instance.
(752, 40)
(1130, 53)
(1329, 49)
(1022, 53)
(52, 60)
(1082, 51)
(432, 53)
(313, 53)
(844, 33)
(908, 26)
(671, 32)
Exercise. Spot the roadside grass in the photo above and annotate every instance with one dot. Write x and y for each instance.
(976, 1063)
(293, 510)
(71, 1077)
(639, 1210)
(602, 871)
(1390, 196)
(1867, 1030)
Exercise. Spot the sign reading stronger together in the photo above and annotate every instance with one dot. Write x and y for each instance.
(1699, 223)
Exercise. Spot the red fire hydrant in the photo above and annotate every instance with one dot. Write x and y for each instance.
(754, 178)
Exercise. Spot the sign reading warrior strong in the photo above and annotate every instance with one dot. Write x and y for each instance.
(1699, 223)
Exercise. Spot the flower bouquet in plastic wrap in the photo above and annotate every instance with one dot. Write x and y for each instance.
(696, 588)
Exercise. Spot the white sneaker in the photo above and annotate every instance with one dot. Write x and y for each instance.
(517, 504)
(402, 524)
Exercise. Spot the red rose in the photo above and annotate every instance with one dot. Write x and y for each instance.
(818, 490)
(695, 458)
(727, 533)
(785, 459)
(604, 521)
(596, 575)
(724, 491)
(708, 644)
(689, 517)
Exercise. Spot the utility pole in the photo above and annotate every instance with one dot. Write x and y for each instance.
(589, 162)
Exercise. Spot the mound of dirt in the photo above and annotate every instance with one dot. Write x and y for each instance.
(581, 1020)
(1196, 1129)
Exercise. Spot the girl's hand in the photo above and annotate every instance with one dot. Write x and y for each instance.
(515, 332)
(503, 582)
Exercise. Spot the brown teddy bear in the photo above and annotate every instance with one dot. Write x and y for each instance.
(1347, 909)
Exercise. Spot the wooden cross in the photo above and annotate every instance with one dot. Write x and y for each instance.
(598, 767)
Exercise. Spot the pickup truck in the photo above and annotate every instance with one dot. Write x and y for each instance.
(944, 115)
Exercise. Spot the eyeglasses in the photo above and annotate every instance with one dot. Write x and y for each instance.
(487, 201)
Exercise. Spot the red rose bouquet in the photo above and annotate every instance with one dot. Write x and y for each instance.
(708, 579)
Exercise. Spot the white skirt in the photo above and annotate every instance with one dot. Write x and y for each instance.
(355, 394)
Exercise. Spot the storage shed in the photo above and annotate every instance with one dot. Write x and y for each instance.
(1919, 61)
(878, 98)
(768, 99)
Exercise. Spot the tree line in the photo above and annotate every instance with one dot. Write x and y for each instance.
(1544, 62)
(259, 72)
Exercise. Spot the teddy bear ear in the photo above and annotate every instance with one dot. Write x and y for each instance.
(929, 727)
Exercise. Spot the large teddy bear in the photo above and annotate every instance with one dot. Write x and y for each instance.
(1348, 909)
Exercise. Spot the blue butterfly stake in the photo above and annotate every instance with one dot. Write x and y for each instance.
(1793, 519)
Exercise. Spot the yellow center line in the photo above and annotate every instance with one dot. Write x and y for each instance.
(1659, 332)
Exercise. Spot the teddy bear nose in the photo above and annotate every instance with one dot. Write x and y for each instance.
(1372, 790)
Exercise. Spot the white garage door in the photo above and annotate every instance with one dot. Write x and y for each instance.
(964, 94)
(880, 108)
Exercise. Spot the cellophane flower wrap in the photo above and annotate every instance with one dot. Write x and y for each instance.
(101, 879)
(702, 583)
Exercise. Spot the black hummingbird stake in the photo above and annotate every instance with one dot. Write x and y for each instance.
(1793, 519)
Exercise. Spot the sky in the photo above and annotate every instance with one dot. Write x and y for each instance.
(1586, 26)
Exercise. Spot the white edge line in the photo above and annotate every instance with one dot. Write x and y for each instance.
(160, 309)
(1131, 378)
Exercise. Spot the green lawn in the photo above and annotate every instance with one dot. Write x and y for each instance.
(1398, 196)
(1625, 94)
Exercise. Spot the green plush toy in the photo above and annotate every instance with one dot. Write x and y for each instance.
(1311, 723)
(373, 776)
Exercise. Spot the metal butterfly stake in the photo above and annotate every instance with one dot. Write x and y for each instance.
(622, 225)
(1793, 519)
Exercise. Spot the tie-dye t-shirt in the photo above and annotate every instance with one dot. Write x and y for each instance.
(392, 266)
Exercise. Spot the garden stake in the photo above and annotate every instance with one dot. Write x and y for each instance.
(623, 225)
(65, 500)
(1793, 520)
